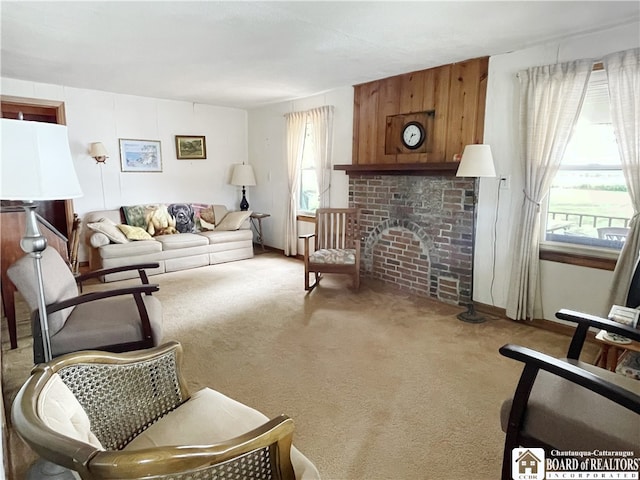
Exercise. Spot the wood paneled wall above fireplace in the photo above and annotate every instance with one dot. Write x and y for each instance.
(456, 92)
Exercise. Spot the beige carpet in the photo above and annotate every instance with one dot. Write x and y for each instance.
(381, 384)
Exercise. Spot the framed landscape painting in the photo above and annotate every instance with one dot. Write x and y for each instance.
(191, 147)
(140, 155)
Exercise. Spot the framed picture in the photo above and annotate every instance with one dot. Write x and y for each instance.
(140, 155)
(191, 147)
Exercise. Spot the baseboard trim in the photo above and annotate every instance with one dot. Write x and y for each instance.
(542, 323)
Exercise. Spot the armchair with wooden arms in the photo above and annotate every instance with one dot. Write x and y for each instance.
(130, 415)
(569, 405)
(336, 245)
(117, 320)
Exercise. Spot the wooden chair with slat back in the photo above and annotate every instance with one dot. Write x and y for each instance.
(336, 247)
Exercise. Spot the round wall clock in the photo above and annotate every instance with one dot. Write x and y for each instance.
(413, 135)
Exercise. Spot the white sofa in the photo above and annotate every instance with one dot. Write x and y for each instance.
(174, 252)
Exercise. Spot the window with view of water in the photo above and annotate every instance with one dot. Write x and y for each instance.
(588, 203)
(309, 195)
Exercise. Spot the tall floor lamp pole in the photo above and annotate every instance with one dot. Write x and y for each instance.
(36, 165)
(476, 162)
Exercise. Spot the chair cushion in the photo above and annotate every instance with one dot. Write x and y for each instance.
(334, 256)
(210, 417)
(91, 325)
(59, 284)
(60, 410)
(570, 417)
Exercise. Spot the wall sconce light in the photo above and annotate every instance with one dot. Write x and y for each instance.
(98, 152)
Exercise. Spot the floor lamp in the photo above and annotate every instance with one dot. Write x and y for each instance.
(476, 162)
(243, 176)
(36, 165)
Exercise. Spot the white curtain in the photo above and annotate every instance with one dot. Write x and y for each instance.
(550, 100)
(322, 125)
(295, 131)
(623, 77)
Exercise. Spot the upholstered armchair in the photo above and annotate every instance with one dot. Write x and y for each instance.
(130, 415)
(566, 404)
(117, 320)
(336, 245)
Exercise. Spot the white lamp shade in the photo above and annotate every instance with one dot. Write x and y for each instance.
(97, 150)
(476, 161)
(243, 176)
(36, 162)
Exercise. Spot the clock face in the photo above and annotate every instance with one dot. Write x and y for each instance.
(413, 135)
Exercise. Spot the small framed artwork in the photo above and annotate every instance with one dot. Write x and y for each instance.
(140, 155)
(191, 147)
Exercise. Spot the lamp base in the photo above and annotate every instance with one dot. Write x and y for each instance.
(471, 316)
(244, 205)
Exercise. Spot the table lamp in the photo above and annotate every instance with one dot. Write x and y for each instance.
(243, 175)
(36, 164)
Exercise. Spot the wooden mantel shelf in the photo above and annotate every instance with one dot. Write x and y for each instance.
(434, 168)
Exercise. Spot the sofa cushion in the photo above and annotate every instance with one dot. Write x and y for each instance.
(110, 229)
(135, 233)
(183, 240)
(131, 249)
(210, 417)
(225, 236)
(233, 220)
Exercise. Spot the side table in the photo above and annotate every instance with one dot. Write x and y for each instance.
(610, 352)
(256, 223)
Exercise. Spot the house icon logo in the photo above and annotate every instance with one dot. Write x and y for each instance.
(527, 464)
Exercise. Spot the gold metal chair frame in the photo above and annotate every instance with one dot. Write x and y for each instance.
(149, 385)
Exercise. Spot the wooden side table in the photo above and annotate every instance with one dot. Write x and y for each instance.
(610, 352)
(256, 223)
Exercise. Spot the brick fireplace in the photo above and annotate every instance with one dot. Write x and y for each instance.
(416, 232)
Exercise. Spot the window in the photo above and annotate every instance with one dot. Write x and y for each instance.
(309, 199)
(588, 203)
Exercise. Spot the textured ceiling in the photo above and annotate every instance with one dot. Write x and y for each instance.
(246, 54)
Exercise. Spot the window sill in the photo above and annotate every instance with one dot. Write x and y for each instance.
(603, 259)
(306, 217)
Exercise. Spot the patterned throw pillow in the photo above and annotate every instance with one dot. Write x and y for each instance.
(134, 215)
(159, 221)
(183, 215)
(202, 223)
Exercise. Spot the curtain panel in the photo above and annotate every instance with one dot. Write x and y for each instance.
(322, 125)
(623, 77)
(295, 131)
(550, 100)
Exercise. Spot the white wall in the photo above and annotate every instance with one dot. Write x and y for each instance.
(267, 154)
(561, 285)
(95, 116)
